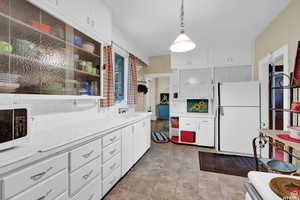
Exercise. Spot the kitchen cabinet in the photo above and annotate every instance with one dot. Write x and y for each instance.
(102, 161)
(93, 18)
(202, 127)
(127, 149)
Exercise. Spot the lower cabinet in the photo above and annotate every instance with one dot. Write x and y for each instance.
(87, 172)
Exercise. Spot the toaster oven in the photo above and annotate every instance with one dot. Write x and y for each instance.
(14, 125)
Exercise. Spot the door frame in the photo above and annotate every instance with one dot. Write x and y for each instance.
(281, 53)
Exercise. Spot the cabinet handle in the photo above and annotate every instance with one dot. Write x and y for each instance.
(88, 154)
(85, 177)
(113, 139)
(43, 197)
(91, 197)
(113, 151)
(88, 20)
(37, 177)
(113, 166)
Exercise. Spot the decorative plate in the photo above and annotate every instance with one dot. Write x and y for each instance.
(286, 188)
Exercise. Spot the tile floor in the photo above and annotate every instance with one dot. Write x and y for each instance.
(171, 172)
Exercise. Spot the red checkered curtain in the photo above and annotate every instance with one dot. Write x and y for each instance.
(108, 78)
(132, 81)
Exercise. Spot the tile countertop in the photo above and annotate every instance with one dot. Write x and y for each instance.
(261, 180)
(185, 114)
(54, 140)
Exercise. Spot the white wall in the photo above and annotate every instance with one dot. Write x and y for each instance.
(127, 43)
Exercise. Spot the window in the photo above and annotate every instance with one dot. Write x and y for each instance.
(119, 68)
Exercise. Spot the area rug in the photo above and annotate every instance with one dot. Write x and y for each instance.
(159, 137)
(226, 164)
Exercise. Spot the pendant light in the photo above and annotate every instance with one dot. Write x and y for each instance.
(182, 43)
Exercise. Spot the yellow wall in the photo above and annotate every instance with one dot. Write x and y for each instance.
(159, 64)
(285, 29)
(162, 86)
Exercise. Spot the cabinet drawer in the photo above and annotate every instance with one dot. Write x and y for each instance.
(64, 196)
(92, 191)
(84, 175)
(110, 181)
(46, 190)
(111, 151)
(32, 175)
(111, 138)
(84, 154)
(188, 124)
(111, 165)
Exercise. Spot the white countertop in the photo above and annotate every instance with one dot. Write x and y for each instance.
(186, 114)
(261, 180)
(60, 137)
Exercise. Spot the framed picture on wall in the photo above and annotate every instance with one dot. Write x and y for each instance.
(164, 98)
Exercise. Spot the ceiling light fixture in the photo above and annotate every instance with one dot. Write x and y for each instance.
(182, 43)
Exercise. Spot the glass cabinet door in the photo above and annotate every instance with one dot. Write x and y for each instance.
(40, 54)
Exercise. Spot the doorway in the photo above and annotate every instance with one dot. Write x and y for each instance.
(276, 96)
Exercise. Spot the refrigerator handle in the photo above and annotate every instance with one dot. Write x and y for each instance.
(221, 110)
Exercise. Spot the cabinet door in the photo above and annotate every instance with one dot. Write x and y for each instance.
(138, 141)
(148, 133)
(127, 149)
(205, 136)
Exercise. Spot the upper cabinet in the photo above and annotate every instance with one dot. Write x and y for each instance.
(93, 18)
(40, 54)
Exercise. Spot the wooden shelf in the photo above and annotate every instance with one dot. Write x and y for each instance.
(284, 110)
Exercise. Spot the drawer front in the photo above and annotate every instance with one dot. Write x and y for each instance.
(84, 175)
(92, 191)
(111, 138)
(111, 165)
(64, 196)
(46, 190)
(111, 151)
(84, 154)
(188, 124)
(23, 179)
(110, 181)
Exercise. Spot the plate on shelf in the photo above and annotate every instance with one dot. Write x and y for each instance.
(8, 87)
(288, 188)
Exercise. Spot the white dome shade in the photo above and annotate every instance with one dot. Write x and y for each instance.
(182, 44)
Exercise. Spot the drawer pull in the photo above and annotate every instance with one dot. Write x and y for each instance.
(43, 197)
(85, 177)
(113, 139)
(40, 175)
(88, 154)
(113, 166)
(113, 151)
(91, 197)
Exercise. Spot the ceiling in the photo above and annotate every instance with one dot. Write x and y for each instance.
(154, 24)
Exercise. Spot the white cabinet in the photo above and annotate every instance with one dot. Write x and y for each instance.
(93, 18)
(141, 138)
(127, 149)
(203, 128)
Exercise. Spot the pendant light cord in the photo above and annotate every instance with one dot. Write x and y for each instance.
(182, 17)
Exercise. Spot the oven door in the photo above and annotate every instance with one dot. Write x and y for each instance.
(251, 193)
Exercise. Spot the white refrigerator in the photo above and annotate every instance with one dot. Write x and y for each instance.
(238, 116)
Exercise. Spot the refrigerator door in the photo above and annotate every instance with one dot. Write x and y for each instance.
(238, 127)
(240, 94)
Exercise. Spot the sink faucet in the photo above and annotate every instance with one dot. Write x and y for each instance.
(123, 110)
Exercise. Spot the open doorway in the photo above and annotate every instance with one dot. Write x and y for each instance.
(157, 101)
(276, 96)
